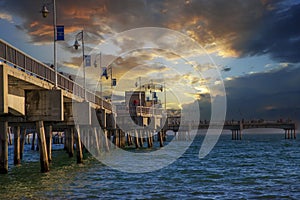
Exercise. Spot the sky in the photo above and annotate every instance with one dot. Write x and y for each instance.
(195, 47)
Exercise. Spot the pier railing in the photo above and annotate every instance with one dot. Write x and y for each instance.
(18, 59)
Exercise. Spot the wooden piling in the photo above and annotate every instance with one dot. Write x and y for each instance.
(151, 138)
(129, 142)
(96, 142)
(43, 147)
(136, 139)
(79, 154)
(285, 136)
(164, 136)
(160, 139)
(48, 132)
(3, 147)
(106, 144)
(71, 142)
(22, 142)
(66, 140)
(294, 133)
(33, 141)
(9, 136)
(100, 138)
(148, 139)
(27, 138)
(141, 137)
(37, 148)
(87, 138)
(116, 137)
(122, 139)
(17, 157)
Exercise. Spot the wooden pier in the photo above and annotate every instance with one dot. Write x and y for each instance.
(29, 100)
(236, 127)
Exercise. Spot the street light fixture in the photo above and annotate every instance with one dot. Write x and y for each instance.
(45, 13)
(78, 37)
(76, 44)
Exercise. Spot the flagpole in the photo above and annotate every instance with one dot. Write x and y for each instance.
(100, 60)
(54, 42)
(165, 94)
(140, 95)
(111, 79)
(83, 61)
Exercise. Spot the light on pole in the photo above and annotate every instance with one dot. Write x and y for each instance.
(45, 13)
(78, 37)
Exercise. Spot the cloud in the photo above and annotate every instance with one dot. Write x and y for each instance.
(6, 17)
(277, 34)
(231, 28)
(271, 95)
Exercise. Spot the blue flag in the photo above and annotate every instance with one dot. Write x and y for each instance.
(87, 59)
(60, 35)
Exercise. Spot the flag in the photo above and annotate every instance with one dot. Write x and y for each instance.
(60, 33)
(87, 59)
(104, 72)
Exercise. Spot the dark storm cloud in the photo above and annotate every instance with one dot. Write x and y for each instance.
(278, 33)
(231, 28)
(271, 95)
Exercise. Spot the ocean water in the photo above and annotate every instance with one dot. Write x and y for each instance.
(261, 166)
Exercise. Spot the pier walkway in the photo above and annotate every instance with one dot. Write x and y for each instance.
(236, 127)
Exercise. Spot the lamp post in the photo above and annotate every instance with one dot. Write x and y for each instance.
(45, 13)
(165, 94)
(96, 65)
(78, 37)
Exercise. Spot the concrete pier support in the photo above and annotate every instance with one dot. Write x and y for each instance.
(3, 147)
(79, 154)
(17, 156)
(290, 133)
(236, 134)
(48, 132)
(43, 147)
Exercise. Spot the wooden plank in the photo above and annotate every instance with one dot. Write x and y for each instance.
(44, 162)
